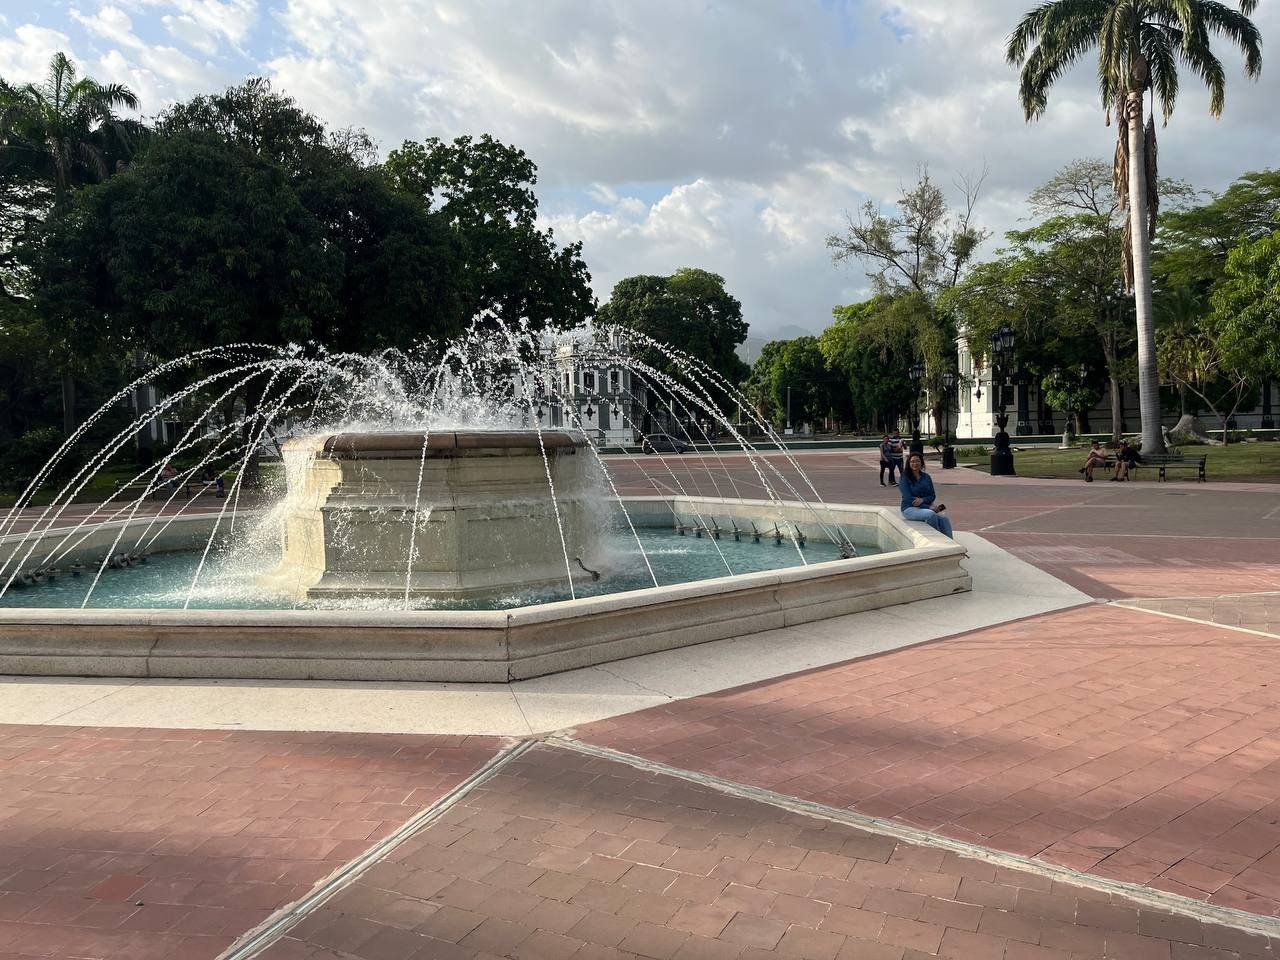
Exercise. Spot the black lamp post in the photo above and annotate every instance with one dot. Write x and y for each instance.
(917, 376)
(948, 454)
(1001, 357)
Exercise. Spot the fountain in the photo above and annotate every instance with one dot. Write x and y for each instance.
(473, 510)
(355, 522)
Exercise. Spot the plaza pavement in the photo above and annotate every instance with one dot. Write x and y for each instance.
(1042, 769)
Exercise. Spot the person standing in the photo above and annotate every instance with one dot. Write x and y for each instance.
(918, 497)
(898, 447)
(887, 461)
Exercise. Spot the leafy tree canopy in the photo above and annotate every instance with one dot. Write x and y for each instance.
(690, 310)
(876, 374)
(1246, 307)
(1194, 243)
(197, 243)
(912, 257)
(484, 191)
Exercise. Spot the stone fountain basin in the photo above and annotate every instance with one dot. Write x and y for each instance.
(487, 645)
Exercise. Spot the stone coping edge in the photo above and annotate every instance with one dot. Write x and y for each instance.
(482, 646)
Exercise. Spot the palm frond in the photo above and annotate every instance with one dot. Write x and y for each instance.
(1201, 61)
(1160, 46)
(1236, 26)
(1029, 28)
(1069, 30)
(114, 95)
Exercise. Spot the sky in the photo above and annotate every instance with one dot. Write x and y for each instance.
(731, 136)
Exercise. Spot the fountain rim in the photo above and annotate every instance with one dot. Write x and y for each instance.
(485, 646)
(912, 544)
(349, 444)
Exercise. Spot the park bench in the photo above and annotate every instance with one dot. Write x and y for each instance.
(1164, 461)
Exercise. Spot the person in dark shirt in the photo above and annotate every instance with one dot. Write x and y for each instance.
(918, 496)
(1126, 457)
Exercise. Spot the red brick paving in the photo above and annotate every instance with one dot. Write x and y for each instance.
(1132, 746)
(134, 844)
(575, 858)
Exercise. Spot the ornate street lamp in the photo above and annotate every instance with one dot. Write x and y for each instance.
(948, 454)
(917, 377)
(1001, 357)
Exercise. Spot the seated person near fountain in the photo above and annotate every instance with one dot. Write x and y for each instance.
(212, 479)
(169, 476)
(1126, 458)
(918, 496)
(1097, 457)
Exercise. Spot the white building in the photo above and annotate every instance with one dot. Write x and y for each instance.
(975, 403)
(607, 400)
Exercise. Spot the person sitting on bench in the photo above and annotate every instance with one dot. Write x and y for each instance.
(1126, 458)
(1097, 457)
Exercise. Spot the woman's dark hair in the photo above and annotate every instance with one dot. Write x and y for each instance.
(915, 456)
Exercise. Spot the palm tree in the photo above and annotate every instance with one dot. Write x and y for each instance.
(58, 135)
(1141, 44)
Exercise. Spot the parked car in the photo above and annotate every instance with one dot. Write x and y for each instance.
(664, 442)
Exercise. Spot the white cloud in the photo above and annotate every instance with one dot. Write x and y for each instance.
(216, 20)
(25, 56)
(159, 74)
(186, 30)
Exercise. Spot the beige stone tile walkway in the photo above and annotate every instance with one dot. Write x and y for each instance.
(1252, 611)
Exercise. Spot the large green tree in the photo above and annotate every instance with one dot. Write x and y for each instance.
(690, 310)
(912, 255)
(1058, 282)
(800, 382)
(1141, 44)
(1246, 307)
(483, 189)
(1195, 352)
(246, 219)
(875, 370)
(54, 137)
(197, 243)
(1193, 244)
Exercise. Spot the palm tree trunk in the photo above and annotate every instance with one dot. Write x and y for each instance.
(1148, 374)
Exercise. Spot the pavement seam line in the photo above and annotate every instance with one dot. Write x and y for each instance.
(254, 941)
(1143, 896)
(1130, 605)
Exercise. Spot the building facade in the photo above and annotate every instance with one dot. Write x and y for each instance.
(976, 399)
(606, 400)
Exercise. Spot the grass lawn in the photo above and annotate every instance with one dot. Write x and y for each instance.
(1239, 461)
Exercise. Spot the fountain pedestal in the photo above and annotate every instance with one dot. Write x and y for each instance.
(481, 519)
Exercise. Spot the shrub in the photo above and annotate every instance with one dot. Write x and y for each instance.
(24, 457)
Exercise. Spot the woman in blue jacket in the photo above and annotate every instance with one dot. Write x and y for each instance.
(918, 496)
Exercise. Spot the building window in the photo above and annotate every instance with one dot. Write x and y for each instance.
(566, 383)
(588, 381)
(615, 381)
